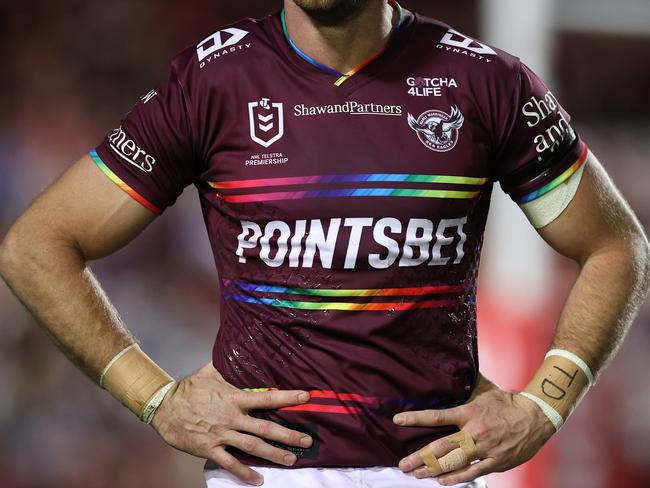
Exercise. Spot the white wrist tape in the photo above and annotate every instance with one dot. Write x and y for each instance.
(151, 407)
(572, 357)
(137, 381)
(113, 361)
(552, 414)
(559, 384)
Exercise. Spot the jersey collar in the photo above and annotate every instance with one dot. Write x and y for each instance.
(342, 77)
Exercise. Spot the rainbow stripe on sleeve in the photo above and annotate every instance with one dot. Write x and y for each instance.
(122, 184)
(557, 181)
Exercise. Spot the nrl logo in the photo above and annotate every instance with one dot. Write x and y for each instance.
(266, 121)
(438, 130)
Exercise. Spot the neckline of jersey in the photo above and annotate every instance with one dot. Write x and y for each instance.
(342, 77)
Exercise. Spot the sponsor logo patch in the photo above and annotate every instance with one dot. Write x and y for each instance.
(547, 112)
(219, 44)
(458, 43)
(266, 159)
(129, 151)
(437, 130)
(266, 121)
(420, 86)
(350, 107)
(327, 244)
(148, 96)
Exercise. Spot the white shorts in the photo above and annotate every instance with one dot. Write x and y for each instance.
(380, 477)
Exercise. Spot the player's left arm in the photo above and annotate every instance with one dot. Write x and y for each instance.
(600, 232)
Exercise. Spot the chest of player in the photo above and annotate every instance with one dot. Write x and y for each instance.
(345, 167)
(415, 125)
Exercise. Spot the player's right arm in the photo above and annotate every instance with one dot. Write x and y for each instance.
(43, 258)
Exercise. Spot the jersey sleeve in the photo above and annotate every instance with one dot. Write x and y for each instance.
(540, 149)
(150, 155)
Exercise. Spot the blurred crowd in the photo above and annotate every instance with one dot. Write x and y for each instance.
(70, 70)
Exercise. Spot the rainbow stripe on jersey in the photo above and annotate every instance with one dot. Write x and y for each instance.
(264, 294)
(365, 179)
(122, 184)
(330, 401)
(378, 177)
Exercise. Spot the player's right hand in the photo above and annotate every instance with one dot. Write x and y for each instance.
(203, 415)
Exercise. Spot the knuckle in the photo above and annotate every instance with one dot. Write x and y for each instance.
(249, 444)
(480, 430)
(221, 437)
(231, 396)
(432, 415)
(227, 463)
(222, 421)
(472, 409)
(268, 398)
(445, 444)
(277, 455)
(292, 437)
(264, 429)
(203, 445)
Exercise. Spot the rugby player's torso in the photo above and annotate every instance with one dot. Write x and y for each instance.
(393, 155)
(346, 223)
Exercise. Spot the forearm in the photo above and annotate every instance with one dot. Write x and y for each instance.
(50, 277)
(612, 285)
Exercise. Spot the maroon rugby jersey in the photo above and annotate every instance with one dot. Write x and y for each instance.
(346, 219)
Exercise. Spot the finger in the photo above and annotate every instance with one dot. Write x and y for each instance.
(270, 399)
(257, 447)
(274, 432)
(233, 466)
(470, 473)
(437, 448)
(452, 461)
(432, 418)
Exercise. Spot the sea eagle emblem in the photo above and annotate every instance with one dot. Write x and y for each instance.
(438, 130)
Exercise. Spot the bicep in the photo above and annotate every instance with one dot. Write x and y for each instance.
(596, 217)
(87, 210)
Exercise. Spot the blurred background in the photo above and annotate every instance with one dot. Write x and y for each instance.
(71, 69)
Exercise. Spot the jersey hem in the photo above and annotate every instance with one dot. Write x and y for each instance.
(122, 184)
(558, 180)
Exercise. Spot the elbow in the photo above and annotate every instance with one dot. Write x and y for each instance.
(28, 249)
(9, 255)
(638, 251)
(645, 262)
(33, 247)
(629, 257)
(15, 255)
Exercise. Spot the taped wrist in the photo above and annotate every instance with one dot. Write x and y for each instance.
(559, 384)
(136, 381)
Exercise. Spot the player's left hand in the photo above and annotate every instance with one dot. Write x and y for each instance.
(507, 429)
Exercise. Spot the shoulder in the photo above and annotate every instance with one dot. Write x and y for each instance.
(462, 51)
(226, 50)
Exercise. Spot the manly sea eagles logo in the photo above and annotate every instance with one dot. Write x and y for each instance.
(438, 130)
(266, 121)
